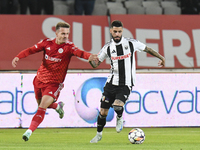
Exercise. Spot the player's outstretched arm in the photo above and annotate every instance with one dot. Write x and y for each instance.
(14, 61)
(161, 63)
(94, 61)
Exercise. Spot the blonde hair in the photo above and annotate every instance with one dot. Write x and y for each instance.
(62, 24)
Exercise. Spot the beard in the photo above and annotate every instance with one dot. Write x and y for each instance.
(117, 40)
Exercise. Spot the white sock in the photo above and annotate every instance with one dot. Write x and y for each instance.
(29, 131)
(58, 106)
(99, 133)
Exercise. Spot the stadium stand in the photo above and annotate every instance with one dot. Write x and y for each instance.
(153, 10)
(165, 4)
(100, 9)
(154, 0)
(106, 7)
(150, 3)
(129, 4)
(136, 10)
(114, 5)
(61, 9)
(137, 0)
(118, 10)
(172, 10)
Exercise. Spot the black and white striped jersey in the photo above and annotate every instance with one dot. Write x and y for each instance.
(122, 57)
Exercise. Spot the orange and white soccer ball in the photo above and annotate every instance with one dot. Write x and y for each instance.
(136, 136)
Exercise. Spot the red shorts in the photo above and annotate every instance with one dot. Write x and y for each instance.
(51, 89)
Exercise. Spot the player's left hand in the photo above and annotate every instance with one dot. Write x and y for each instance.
(161, 63)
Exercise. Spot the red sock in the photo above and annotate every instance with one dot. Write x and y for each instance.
(53, 105)
(37, 118)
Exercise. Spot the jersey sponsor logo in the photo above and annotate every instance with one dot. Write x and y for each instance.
(121, 57)
(48, 48)
(60, 50)
(52, 58)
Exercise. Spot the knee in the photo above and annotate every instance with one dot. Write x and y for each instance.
(104, 112)
(117, 108)
(102, 116)
(118, 102)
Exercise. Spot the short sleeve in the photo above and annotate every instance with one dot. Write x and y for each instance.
(139, 46)
(102, 54)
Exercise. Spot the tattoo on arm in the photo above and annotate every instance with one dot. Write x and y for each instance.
(93, 64)
(153, 53)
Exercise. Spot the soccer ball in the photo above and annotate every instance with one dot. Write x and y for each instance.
(136, 136)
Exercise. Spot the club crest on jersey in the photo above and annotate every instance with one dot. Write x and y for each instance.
(103, 98)
(74, 48)
(126, 47)
(113, 51)
(60, 50)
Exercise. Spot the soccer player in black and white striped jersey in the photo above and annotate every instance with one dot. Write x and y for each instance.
(121, 52)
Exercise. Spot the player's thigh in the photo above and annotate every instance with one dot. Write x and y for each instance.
(39, 101)
(106, 102)
(118, 102)
(52, 90)
(46, 101)
(122, 94)
(108, 96)
(37, 89)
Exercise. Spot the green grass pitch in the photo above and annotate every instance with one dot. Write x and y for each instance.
(78, 139)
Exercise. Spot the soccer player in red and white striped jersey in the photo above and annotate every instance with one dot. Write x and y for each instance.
(48, 82)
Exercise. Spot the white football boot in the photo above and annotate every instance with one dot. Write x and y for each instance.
(97, 138)
(60, 110)
(26, 135)
(119, 124)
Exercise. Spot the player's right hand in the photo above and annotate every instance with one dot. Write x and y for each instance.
(93, 57)
(14, 61)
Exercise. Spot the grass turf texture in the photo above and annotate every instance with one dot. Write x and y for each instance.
(78, 139)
